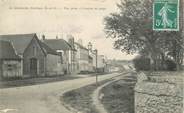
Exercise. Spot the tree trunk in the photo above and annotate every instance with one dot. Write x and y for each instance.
(163, 61)
(152, 61)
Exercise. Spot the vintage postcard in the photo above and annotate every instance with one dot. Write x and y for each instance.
(91, 56)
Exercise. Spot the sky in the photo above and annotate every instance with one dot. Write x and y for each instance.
(81, 18)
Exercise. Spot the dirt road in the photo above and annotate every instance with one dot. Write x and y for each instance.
(42, 98)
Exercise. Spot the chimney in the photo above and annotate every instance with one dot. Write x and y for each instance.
(89, 46)
(71, 40)
(43, 37)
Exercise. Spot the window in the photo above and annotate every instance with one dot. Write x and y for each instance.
(61, 53)
(61, 57)
(11, 67)
(34, 50)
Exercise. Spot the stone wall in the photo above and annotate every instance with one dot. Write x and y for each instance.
(159, 94)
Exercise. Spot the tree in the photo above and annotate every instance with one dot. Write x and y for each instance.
(132, 30)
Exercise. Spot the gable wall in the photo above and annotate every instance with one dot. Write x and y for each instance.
(39, 55)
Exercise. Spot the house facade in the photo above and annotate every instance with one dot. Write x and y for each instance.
(82, 58)
(72, 55)
(67, 53)
(102, 64)
(34, 59)
(90, 64)
(38, 59)
(41, 60)
(19, 42)
(93, 55)
(10, 62)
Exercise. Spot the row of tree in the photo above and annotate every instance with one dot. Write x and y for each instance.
(131, 28)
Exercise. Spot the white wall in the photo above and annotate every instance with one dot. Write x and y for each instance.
(11, 68)
(100, 61)
(53, 65)
(93, 55)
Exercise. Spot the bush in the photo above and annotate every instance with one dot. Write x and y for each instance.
(142, 63)
(170, 65)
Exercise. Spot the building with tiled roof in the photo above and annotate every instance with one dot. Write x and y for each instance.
(7, 50)
(38, 59)
(80, 46)
(82, 57)
(58, 44)
(20, 41)
(41, 59)
(93, 53)
(66, 50)
(10, 62)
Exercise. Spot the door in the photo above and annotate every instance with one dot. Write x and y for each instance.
(33, 66)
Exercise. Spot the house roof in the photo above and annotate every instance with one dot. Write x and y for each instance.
(7, 51)
(20, 41)
(48, 49)
(58, 44)
(82, 47)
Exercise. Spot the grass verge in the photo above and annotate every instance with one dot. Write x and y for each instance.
(119, 96)
(80, 99)
(33, 81)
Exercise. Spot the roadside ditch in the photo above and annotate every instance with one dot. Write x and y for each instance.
(116, 96)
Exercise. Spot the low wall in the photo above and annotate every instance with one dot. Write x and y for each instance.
(159, 93)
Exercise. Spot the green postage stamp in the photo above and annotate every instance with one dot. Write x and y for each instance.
(166, 15)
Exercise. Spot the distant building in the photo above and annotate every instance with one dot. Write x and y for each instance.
(82, 57)
(90, 64)
(73, 54)
(65, 50)
(101, 63)
(10, 62)
(93, 54)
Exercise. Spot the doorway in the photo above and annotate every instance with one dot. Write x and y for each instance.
(33, 66)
